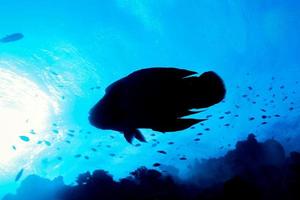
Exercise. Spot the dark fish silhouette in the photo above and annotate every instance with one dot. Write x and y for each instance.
(12, 37)
(156, 164)
(19, 175)
(156, 98)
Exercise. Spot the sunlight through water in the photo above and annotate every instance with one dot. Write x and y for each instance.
(25, 112)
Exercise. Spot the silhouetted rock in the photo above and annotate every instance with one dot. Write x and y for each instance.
(254, 170)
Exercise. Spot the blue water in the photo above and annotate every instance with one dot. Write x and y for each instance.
(72, 50)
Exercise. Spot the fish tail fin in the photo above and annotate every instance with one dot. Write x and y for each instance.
(206, 90)
(129, 134)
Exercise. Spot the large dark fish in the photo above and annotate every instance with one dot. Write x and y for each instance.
(12, 37)
(156, 98)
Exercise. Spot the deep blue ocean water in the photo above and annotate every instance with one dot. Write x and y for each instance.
(72, 50)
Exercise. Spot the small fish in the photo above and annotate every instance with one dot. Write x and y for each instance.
(156, 165)
(112, 154)
(86, 157)
(251, 118)
(200, 134)
(162, 152)
(222, 117)
(228, 112)
(77, 156)
(196, 139)
(264, 116)
(277, 115)
(154, 145)
(14, 147)
(54, 73)
(94, 149)
(291, 108)
(263, 123)
(71, 135)
(24, 138)
(19, 175)
(59, 158)
(207, 129)
(138, 145)
(12, 38)
(55, 131)
(285, 98)
(182, 158)
(170, 143)
(226, 124)
(250, 88)
(47, 143)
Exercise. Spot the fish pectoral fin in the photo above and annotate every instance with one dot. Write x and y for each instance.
(129, 134)
(139, 136)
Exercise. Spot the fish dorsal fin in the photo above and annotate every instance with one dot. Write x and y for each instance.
(129, 134)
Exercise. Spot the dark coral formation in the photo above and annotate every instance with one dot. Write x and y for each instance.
(254, 170)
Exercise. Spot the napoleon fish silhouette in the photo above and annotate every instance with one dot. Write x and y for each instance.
(156, 98)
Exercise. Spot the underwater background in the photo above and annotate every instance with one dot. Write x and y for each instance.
(72, 50)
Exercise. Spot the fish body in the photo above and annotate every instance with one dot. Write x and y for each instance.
(156, 98)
